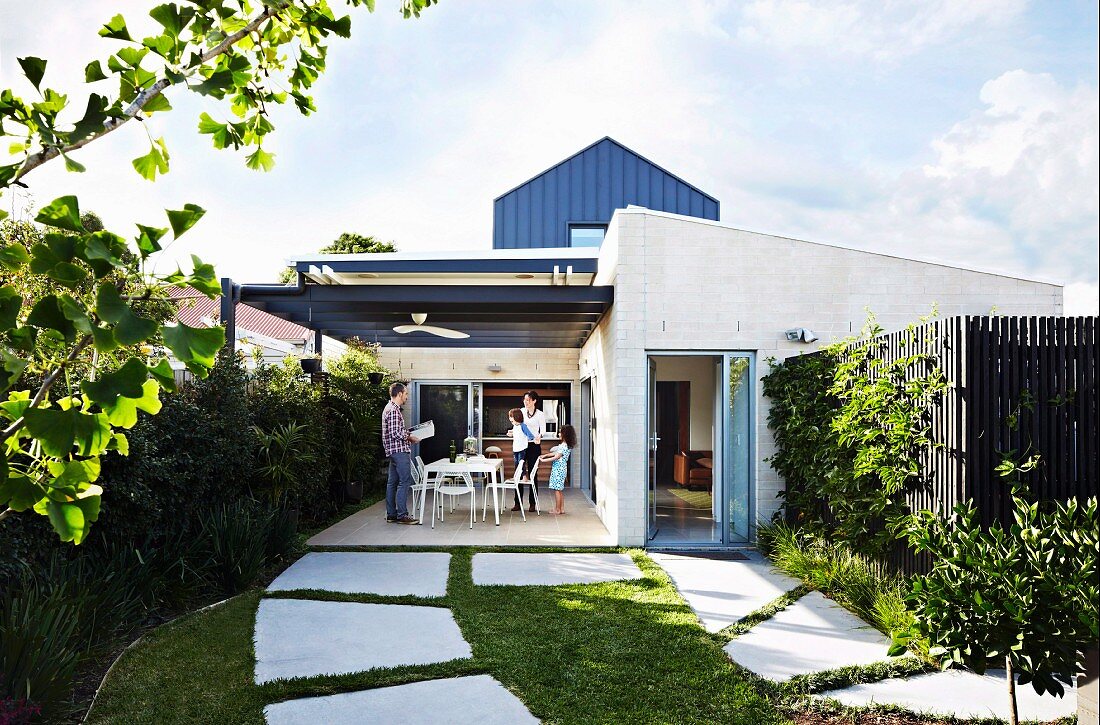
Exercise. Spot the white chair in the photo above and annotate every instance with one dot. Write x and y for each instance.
(419, 484)
(459, 485)
(508, 484)
(512, 484)
(534, 490)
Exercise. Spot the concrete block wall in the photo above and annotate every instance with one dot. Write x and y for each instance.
(689, 284)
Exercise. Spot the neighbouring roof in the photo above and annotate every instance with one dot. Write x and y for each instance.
(198, 310)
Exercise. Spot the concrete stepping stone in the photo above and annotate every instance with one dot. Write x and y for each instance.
(455, 701)
(812, 635)
(388, 574)
(552, 569)
(305, 638)
(721, 592)
(958, 693)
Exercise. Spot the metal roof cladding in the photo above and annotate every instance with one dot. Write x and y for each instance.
(586, 189)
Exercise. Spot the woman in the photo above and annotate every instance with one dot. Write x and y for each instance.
(535, 420)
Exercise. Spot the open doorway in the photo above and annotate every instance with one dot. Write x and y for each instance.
(686, 494)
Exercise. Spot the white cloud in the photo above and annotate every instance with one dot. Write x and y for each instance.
(872, 28)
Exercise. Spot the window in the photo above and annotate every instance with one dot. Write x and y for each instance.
(586, 235)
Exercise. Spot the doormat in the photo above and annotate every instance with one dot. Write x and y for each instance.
(718, 555)
(694, 499)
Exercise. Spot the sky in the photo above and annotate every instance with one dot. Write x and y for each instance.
(963, 132)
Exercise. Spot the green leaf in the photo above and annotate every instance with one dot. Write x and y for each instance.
(157, 103)
(184, 219)
(59, 430)
(124, 411)
(126, 382)
(130, 327)
(173, 18)
(154, 161)
(162, 372)
(120, 443)
(72, 477)
(195, 347)
(95, 114)
(260, 159)
(47, 314)
(14, 256)
(115, 28)
(10, 304)
(33, 69)
(104, 339)
(72, 520)
(94, 72)
(18, 492)
(63, 213)
(149, 241)
(11, 368)
(204, 278)
(71, 165)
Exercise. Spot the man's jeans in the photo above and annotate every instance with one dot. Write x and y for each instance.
(398, 483)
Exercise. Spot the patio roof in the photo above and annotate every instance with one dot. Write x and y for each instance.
(501, 298)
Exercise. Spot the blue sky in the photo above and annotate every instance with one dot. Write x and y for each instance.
(963, 132)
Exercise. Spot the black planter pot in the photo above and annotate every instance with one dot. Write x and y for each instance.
(353, 491)
(311, 365)
(376, 378)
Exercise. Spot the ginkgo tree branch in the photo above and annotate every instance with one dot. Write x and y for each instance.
(144, 97)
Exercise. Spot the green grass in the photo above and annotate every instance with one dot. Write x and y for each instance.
(604, 653)
(854, 581)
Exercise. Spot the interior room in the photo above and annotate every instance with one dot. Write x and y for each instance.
(684, 462)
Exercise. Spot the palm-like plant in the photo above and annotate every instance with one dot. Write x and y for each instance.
(354, 450)
(280, 453)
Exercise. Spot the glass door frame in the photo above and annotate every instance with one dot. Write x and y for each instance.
(722, 433)
(414, 394)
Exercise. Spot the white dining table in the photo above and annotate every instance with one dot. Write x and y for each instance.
(436, 471)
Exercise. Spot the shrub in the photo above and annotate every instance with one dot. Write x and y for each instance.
(38, 650)
(235, 538)
(1026, 597)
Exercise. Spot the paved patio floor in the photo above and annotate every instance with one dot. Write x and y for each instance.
(580, 526)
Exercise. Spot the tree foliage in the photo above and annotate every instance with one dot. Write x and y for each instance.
(73, 296)
(346, 243)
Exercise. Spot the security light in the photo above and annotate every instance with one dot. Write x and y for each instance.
(495, 368)
(800, 334)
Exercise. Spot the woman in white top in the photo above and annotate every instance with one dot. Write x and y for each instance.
(536, 423)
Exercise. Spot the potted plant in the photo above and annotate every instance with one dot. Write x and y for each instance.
(279, 452)
(376, 377)
(310, 363)
(354, 450)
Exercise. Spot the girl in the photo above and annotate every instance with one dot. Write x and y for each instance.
(519, 439)
(559, 454)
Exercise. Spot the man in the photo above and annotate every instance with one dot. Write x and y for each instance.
(396, 443)
(535, 420)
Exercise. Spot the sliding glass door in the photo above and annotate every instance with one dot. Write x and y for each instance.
(448, 405)
(700, 407)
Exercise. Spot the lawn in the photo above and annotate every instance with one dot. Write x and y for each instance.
(604, 653)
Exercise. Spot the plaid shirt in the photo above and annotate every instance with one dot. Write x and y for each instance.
(395, 437)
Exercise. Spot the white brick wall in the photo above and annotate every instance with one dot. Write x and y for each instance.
(687, 284)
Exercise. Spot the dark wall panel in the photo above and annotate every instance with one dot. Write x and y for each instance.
(588, 187)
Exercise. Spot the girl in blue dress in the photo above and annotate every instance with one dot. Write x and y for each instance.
(559, 456)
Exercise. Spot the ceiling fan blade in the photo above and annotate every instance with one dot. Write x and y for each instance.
(432, 330)
(444, 332)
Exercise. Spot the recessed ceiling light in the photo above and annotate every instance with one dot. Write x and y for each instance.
(525, 276)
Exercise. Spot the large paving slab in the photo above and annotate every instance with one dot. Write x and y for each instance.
(385, 573)
(959, 694)
(812, 635)
(552, 569)
(455, 701)
(305, 638)
(721, 592)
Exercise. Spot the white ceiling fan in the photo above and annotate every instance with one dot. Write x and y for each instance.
(419, 326)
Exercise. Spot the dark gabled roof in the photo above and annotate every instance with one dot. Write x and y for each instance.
(596, 143)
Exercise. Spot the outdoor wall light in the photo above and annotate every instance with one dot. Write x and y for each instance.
(495, 368)
(800, 334)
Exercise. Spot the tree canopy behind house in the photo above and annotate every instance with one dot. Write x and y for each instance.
(346, 243)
